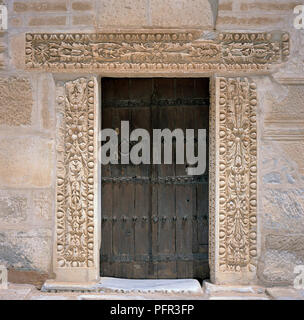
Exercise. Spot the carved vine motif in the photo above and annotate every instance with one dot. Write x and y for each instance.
(75, 177)
(154, 51)
(237, 174)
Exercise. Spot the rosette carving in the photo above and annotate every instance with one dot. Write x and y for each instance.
(75, 176)
(237, 174)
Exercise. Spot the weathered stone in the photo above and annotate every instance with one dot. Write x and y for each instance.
(252, 21)
(270, 6)
(16, 101)
(45, 88)
(43, 205)
(85, 19)
(26, 250)
(124, 13)
(15, 22)
(82, 5)
(290, 103)
(235, 296)
(183, 13)
(210, 288)
(16, 292)
(47, 21)
(285, 293)
(277, 267)
(35, 6)
(286, 242)
(283, 210)
(26, 162)
(13, 206)
(16, 47)
(27, 277)
(225, 6)
(54, 297)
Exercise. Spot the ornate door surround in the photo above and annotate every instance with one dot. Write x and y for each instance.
(229, 60)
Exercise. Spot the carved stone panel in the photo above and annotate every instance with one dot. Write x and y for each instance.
(156, 51)
(76, 210)
(233, 196)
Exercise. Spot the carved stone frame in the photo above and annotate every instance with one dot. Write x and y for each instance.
(233, 137)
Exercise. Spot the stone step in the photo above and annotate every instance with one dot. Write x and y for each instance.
(179, 286)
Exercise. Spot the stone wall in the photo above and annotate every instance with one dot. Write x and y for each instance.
(281, 139)
(28, 135)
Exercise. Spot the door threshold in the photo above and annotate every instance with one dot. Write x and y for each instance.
(121, 285)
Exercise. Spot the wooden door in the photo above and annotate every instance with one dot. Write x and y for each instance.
(154, 217)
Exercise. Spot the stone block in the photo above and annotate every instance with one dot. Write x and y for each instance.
(16, 48)
(46, 102)
(84, 20)
(43, 205)
(269, 6)
(14, 206)
(38, 21)
(122, 13)
(26, 162)
(285, 293)
(42, 6)
(16, 101)
(181, 13)
(225, 6)
(277, 267)
(16, 292)
(26, 250)
(83, 5)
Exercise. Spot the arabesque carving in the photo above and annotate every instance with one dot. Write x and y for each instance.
(237, 180)
(156, 51)
(75, 176)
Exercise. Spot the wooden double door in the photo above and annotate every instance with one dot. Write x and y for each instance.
(154, 217)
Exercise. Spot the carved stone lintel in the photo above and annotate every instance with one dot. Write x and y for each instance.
(156, 51)
(76, 210)
(233, 182)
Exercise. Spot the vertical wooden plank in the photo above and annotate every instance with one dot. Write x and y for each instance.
(184, 230)
(142, 203)
(106, 204)
(184, 203)
(166, 206)
(154, 218)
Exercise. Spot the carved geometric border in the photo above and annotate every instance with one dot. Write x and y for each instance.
(156, 51)
(75, 175)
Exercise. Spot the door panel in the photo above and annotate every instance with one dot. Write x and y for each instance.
(154, 221)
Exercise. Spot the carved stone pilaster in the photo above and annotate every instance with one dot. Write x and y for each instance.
(233, 181)
(76, 240)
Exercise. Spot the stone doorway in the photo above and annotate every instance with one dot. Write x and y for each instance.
(233, 154)
(154, 217)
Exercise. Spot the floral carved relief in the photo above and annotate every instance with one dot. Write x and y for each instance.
(75, 176)
(237, 174)
(156, 51)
